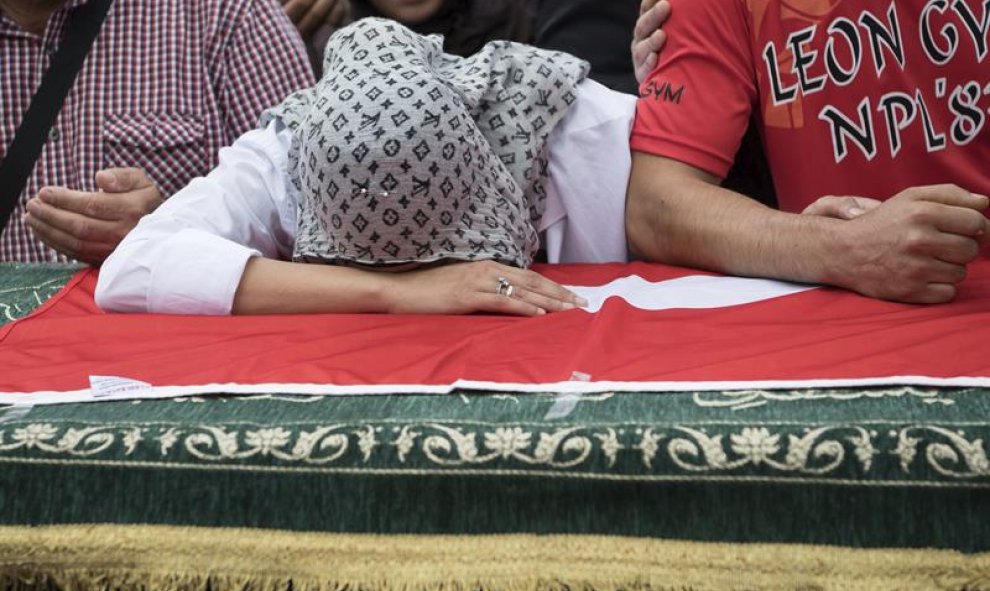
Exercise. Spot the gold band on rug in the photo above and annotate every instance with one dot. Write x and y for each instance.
(132, 557)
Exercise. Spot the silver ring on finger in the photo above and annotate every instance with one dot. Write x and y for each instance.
(509, 292)
(504, 287)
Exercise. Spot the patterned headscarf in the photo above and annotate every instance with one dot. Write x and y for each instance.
(402, 153)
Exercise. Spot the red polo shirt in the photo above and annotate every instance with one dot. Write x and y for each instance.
(852, 98)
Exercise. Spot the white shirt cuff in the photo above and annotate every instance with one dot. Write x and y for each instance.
(200, 275)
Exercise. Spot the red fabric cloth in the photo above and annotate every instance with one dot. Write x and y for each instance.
(818, 334)
(729, 60)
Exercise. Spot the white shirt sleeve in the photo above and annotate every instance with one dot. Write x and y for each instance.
(590, 162)
(188, 256)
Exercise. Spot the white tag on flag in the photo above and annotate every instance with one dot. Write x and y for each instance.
(116, 387)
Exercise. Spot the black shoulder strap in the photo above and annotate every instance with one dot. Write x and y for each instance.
(83, 26)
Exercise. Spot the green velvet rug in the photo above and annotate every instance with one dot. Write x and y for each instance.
(897, 468)
(25, 287)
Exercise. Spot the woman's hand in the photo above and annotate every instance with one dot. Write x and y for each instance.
(484, 286)
(648, 36)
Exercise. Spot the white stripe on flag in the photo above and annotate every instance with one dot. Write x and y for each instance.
(694, 291)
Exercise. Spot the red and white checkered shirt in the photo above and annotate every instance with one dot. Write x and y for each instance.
(166, 85)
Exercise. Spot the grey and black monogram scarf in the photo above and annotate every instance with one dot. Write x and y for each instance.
(402, 153)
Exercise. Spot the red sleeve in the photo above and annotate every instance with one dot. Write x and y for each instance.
(263, 61)
(695, 106)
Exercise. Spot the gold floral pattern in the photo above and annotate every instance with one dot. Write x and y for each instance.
(756, 443)
(648, 445)
(452, 446)
(817, 451)
(843, 451)
(404, 442)
(321, 445)
(87, 441)
(950, 453)
(744, 399)
(610, 445)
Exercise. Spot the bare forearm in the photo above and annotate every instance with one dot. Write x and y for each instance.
(684, 219)
(913, 247)
(279, 287)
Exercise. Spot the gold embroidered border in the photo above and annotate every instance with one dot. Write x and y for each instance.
(814, 451)
(129, 557)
